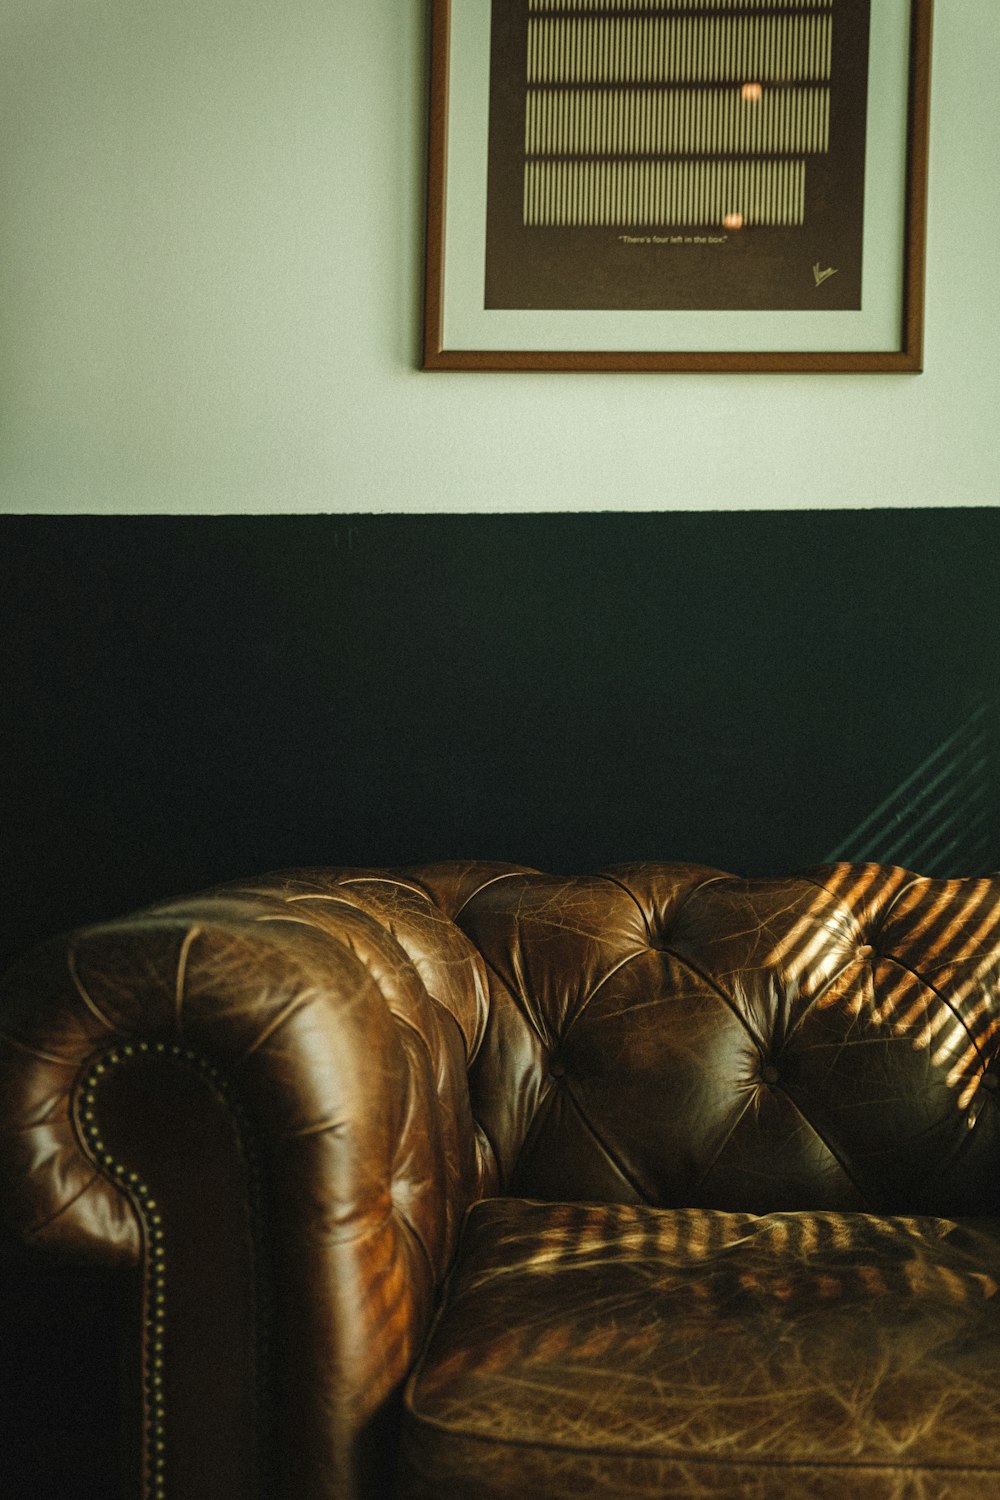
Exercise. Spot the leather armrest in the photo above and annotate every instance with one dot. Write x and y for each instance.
(259, 1097)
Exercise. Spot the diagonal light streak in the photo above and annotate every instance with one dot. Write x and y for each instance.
(939, 814)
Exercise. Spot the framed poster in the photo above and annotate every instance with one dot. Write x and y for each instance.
(677, 184)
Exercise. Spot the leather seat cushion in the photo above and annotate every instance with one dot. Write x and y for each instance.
(618, 1350)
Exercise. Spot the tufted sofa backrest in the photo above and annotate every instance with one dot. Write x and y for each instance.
(657, 1033)
(672, 1035)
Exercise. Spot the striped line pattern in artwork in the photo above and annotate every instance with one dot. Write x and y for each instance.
(646, 113)
(623, 193)
(676, 122)
(707, 5)
(771, 48)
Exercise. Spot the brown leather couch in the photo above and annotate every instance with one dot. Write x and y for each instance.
(466, 1181)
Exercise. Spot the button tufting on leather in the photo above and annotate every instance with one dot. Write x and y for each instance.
(865, 951)
(557, 1069)
(991, 1081)
(769, 1073)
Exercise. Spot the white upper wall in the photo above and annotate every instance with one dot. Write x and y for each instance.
(211, 247)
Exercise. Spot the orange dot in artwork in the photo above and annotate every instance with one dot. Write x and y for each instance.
(753, 93)
(733, 221)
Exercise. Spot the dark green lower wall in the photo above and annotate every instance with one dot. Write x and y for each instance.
(189, 699)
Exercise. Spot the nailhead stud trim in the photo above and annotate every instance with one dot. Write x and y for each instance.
(155, 1416)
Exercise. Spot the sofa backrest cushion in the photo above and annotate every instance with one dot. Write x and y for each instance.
(673, 1035)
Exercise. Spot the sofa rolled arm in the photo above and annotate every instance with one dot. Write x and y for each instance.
(257, 1098)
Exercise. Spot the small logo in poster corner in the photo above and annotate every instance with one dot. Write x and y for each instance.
(819, 275)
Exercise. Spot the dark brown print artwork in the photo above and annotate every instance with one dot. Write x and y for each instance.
(677, 154)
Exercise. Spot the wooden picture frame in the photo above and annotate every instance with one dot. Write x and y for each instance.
(677, 280)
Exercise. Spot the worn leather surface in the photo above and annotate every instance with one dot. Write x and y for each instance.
(612, 1350)
(407, 1042)
(674, 1036)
